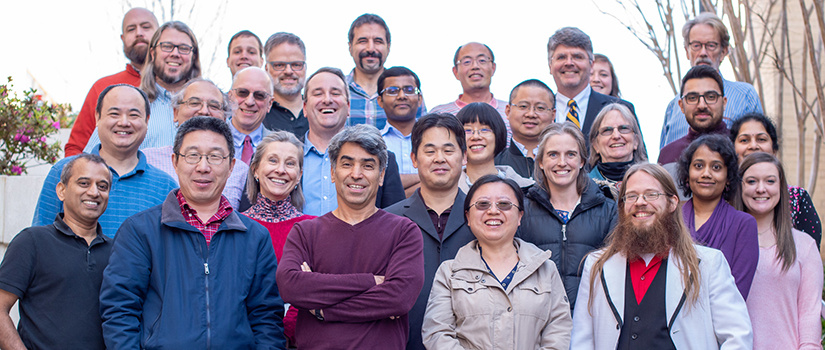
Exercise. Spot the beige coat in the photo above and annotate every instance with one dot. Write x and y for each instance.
(468, 309)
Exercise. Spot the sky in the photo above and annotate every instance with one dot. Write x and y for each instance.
(67, 45)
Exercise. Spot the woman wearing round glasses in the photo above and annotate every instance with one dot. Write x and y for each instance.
(499, 291)
(615, 145)
(486, 137)
(566, 211)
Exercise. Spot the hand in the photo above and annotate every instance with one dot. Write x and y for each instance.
(305, 268)
(378, 279)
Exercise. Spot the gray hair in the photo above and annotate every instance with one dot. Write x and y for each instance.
(639, 154)
(572, 37)
(712, 20)
(363, 135)
(284, 38)
(252, 186)
(226, 103)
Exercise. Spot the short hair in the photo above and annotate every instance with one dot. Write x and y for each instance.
(244, 34)
(363, 135)
(334, 71)
(68, 168)
(283, 38)
(438, 120)
(147, 74)
(712, 20)
(198, 123)
(493, 178)
(483, 113)
(564, 128)
(226, 104)
(703, 72)
(572, 37)
(766, 122)
(368, 18)
(99, 107)
(397, 71)
(614, 86)
(455, 57)
(252, 185)
(536, 84)
(716, 143)
(639, 155)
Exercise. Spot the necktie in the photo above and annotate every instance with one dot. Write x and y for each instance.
(246, 154)
(573, 114)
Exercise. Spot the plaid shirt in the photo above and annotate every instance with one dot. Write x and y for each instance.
(209, 228)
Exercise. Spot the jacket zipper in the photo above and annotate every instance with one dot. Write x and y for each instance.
(563, 244)
(206, 287)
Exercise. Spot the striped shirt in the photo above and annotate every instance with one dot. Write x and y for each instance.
(742, 99)
(364, 108)
(142, 188)
(457, 105)
(402, 147)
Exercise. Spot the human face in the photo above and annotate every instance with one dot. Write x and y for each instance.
(702, 116)
(211, 100)
(601, 80)
(243, 52)
(326, 105)
(708, 175)
(369, 48)
(752, 138)
(172, 67)
(644, 213)
(287, 82)
(202, 183)
(357, 175)
(527, 123)
(570, 67)
(481, 143)
(401, 107)
(494, 227)
(616, 147)
(279, 171)
(561, 161)
(438, 160)
(475, 76)
(86, 194)
(761, 188)
(138, 27)
(704, 33)
(251, 111)
(122, 121)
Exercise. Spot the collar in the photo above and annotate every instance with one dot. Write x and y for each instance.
(308, 146)
(132, 70)
(224, 209)
(64, 229)
(583, 96)
(267, 210)
(139, 168)
(522, 148)
(389, 129)
(161, 92)
(530, 257)
(238, 137)
(170, 215)
(357, 89)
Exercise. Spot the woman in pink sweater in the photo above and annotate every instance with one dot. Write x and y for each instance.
(784, 301)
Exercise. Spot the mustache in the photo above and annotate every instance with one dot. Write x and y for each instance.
(374, 54)
(139, 41)
(705, 60)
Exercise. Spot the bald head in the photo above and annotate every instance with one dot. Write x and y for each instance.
(252, 92)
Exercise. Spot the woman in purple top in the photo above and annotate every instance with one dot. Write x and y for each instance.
(708, 170)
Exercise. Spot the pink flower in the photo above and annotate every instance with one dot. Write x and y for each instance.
(24, 139)
(43, 139)
(16, 169)
(17, 136)
(56, 125)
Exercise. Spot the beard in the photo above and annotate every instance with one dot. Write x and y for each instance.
(136, 54)
(656, 238)
(287, 91)
(371, 70)
(170, 79)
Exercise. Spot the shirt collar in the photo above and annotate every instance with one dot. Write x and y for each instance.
(139, 168)
(308, 146)
(63, 228)
(224, 208)
(582, 96)
(523, 149)
(237, 137)
(357, 89)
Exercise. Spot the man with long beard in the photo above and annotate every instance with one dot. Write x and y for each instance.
(652, 287)
(139, 25)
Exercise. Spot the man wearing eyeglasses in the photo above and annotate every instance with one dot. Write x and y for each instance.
(285, 55)
(531, 109)
(399, 95)
(252, 92)
(703, 104)
(192, 273)
(707, 43)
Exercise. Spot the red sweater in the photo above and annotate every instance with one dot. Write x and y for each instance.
(85, 123)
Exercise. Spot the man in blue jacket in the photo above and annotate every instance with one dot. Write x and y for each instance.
(192, 272)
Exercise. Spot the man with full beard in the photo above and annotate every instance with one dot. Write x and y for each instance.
(652, 287)
(139, 25)
(286, 58)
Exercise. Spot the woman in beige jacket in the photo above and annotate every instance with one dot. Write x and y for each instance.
(499, 292)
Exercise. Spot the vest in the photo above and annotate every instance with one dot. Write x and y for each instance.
(645, 324)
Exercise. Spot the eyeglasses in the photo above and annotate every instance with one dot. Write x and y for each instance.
(501, 205)
(394, 90)
(281, 65)
(481, 132)
(696, 45)
(468, 61)
(169, 47)
(526, 107)
(257, 95)
(196, 103)
(649, 197)
(195, 158)
(608, 130)
(710, 97)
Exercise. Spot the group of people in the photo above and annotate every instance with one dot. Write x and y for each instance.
(336, 211)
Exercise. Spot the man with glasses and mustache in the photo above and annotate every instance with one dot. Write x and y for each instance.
(285, 56)
(139, 25)
(252, 92)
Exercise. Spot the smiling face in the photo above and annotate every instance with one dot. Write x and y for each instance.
(122, 121)
(202, 183)
(357, 176)
(369, 48)
(493, 226)
(481, 143)
(570, 67)
(645, 213)
(475, 76)
(287, 82)
(438, 160)
(138, 27)
(702, 116)
(172, 67)
(401, 107)
(616, 147)
(561, 162)
(211, 101)
(243, 52)
(601, 80)
(761, 188)
(526, 121)
(708, 175)
(251, 111)
(279, 170)
(326, 105)
(86, 194)
(752, 138)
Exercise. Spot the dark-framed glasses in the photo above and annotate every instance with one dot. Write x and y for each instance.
(608, 130)
(281, 65)
(257, 95)
(195, 158)
(526, 107)
(196, 103)
(697, 45)
(501, 205)
(183, 49)
(649, 197)
(394, 90)
(710, 97)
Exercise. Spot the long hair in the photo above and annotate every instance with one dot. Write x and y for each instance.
(614, 86)
(639, 154)
(565, 128)
(782, 222)
(252, 186)
(147, 74)
(683, 250)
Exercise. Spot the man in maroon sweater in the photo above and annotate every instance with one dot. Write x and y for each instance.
(355, 272)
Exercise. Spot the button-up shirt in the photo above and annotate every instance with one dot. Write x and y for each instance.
(364, 108)
(210, 227)
(319, 191)
(402, 147)
(238, 137)
(581, 101)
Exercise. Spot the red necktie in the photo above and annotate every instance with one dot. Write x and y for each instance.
(246, 154)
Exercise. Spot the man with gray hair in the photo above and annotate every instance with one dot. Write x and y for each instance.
(252, 93)
(285, 56)
(357, 288)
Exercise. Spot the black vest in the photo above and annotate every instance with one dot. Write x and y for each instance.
(645, 325)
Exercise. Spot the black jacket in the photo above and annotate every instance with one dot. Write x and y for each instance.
(513, 157)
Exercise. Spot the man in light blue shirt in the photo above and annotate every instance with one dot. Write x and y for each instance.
(399, 95)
